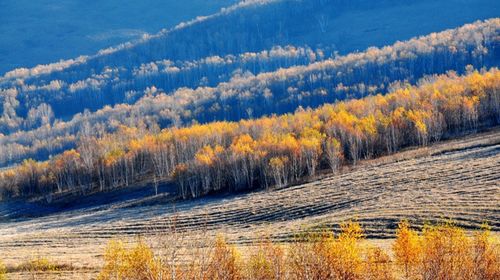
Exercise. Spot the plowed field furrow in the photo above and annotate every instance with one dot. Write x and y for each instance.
(458, 180)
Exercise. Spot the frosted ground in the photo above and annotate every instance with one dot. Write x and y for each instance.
(44, 31)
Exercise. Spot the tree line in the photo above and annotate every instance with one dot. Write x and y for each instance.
(115, 85)
(247, 95)
(268, 151)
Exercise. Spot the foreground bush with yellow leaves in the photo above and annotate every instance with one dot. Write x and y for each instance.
(3, 271)
(437, 252)
(447, 252)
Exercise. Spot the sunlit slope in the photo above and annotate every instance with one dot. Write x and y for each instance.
(457, 180)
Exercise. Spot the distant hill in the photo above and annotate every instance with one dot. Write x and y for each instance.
(226, 88)
(40, 32)
(328, 25)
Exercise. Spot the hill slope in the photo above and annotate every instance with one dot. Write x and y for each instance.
(238, 92)
(350, 26)
(456, 179)
(46, 31)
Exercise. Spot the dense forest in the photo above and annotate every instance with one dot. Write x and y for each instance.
(268, 151)
(203, 91)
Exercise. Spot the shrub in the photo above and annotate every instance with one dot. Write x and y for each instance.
(486, 255)
(137, 263)
(439, 252)
(322, 256)
(378, 265)
(3, 271)
(224, 262)
(267, 262)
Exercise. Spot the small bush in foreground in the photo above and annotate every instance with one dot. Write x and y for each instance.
(3, 271)
(136, 263)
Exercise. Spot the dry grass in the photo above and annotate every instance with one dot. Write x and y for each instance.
(456, 180)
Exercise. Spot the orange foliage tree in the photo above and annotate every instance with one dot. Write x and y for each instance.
(275, 150)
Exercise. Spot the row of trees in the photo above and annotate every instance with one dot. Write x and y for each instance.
(250, 27)
(247, 95)
(126, 85)
(450, 50)
(277, 150)
(438, 252)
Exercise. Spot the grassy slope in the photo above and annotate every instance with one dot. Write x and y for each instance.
(456, 179)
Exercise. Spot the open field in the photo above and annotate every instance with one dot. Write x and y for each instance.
(457, 179)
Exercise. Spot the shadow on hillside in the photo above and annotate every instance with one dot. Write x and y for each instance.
(118, 198)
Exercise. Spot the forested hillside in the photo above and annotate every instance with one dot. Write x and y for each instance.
(277, 150)
(111, 76)
(244, 40)
(236, 92)
(263, 141)
(250, 60)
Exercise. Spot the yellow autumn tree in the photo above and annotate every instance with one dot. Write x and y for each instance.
(137, 263)
(334, 153)
(310, 142)
(277, 166)
(324, 256)
(347, 251)
(3, 271)
(446, 253)
(486, 254)
(407, 249)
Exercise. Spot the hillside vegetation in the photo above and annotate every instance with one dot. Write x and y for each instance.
(45, 106)
(275, 139)
(230, 156)
(244, 95)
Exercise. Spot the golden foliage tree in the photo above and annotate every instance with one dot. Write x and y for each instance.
(137, 263)
(446, 253)
(324, 256)
(486, 255)
(407, 249)
(3, 271)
